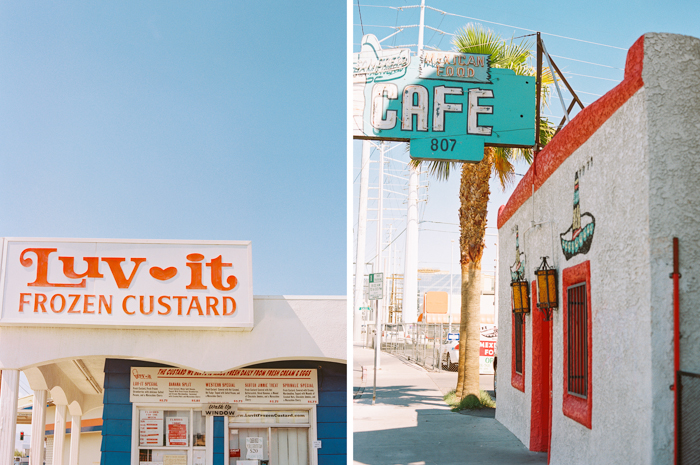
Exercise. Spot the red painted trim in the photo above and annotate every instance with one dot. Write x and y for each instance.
(577, 132)
(541, 403)
(574, 407)
(676, 347)
(517, 380)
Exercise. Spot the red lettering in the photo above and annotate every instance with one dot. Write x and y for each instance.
(39, 301)
(75, 301)
(116, 269)
(216, 266)
(179, 299)
(212, 302)
(42, 268)
(93, 268)
(124, 304)
(63, 303)
(196, 271)
(108, 306)
(195, 300)
(22, 301)
(141, 305)
(87, 303)
(160, 301)
(233, 306)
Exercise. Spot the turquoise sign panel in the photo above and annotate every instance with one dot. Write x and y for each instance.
(447, 119)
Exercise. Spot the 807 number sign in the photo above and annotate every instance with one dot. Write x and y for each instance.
(444, 145)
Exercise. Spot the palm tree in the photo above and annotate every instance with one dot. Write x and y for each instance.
(474, 194)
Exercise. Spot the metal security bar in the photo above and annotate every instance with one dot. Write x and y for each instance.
(519, 343)
(577, 343)
(688, 417)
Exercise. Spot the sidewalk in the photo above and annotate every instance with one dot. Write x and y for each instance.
(411, 424)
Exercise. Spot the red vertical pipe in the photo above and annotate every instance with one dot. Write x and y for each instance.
(676, 347)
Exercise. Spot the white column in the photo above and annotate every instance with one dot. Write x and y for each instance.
(410, 275)
(38, 428)
(361, 238)
(59, 434)
(76, 422)
(9, 387)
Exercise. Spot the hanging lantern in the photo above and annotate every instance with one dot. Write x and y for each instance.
(546, 289)
(521, 296)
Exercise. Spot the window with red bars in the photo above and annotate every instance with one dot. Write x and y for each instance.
(519, 342)
(577, 344)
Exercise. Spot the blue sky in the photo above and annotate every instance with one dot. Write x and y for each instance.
(592, 69)
(180, 120)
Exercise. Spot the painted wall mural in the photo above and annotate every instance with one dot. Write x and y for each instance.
(578, 238)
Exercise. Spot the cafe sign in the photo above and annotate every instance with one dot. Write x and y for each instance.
(448, 105)
(126, 283)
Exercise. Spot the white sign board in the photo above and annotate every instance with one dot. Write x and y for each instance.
(376, 286)
(240, 386)
(293, 417)
(126, 283)
(218, 409)
(254, 448)
(151, 428)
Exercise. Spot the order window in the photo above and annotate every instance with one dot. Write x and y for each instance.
(171, 437)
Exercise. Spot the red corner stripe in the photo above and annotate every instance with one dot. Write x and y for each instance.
(574, 134)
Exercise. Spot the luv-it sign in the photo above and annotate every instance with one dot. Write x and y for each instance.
(126, 283)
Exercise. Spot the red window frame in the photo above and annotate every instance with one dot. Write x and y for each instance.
(575, 407)
(517, 380)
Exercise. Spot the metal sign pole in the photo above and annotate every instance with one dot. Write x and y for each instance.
(377, 340)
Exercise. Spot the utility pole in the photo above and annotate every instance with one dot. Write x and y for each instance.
(410, 276)
(361, 238)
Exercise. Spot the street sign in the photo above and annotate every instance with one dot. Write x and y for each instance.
(453, 336)
(376, 286)
(448, 105)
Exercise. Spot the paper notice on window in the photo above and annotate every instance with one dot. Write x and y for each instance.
(254, 448)
(175, 460)
(177, 431)
(151, 428)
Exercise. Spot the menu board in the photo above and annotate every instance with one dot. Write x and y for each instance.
(151, 428)
(241, 386)
(177, 431)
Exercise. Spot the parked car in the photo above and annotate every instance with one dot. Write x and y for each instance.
(450, 357)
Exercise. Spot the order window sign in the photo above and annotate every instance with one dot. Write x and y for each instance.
(448, 105)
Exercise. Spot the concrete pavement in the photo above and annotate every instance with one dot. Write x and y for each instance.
(410, 424)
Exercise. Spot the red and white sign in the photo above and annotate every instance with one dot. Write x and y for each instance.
(177, 431)
(127, 283)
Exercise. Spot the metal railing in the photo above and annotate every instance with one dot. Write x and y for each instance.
(424, 344)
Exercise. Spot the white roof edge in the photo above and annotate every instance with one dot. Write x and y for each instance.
(129, 241)
(299, 297)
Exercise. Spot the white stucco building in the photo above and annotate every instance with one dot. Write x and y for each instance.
(604, 202)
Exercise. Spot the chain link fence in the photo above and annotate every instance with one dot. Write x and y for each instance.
(688, 418)
(424, 344)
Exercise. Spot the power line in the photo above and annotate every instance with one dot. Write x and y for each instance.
(360, 13)
(498, 24)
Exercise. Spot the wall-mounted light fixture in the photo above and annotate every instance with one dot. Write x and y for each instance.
(520, 294)
(546, 289)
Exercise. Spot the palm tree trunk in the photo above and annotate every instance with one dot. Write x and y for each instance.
(469, 331)
(474, 196)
